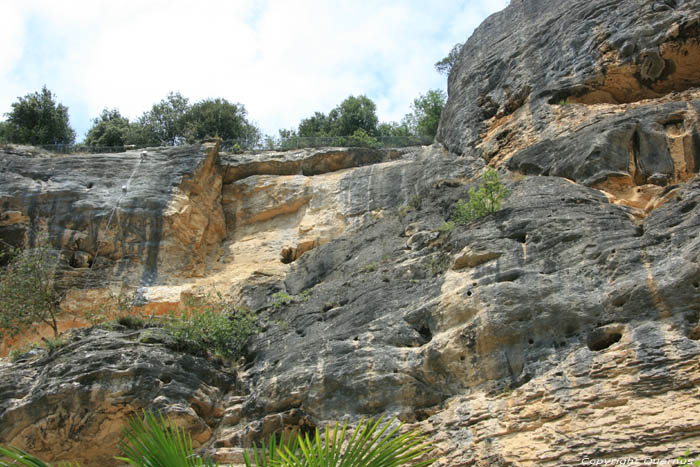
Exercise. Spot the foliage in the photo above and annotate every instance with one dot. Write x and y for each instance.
(354, 113)
(165, 122)
(22, 458)
(369, 446)
(112, 129)
(212, 324)
(220, 118)
(155, 442)
(281, 299)
(4, 133)
(445, 65)
(447, 226)
(28, 289)
(37, 119)
(394, 129)
(684, 460)
(362, 139)
(56, 343)
(484, 201)
(351, 115)
(425, 113)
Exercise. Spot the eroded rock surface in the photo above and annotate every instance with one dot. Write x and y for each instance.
(564, 326)
(72, 403)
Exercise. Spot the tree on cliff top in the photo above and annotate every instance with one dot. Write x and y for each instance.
(37, 119)
(174, 121)
(351, 115)
(221, 118)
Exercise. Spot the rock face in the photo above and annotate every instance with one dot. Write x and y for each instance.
(560, 329)
(72, 403)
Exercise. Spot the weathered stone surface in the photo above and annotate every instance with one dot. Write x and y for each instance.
(137, 215)
(73, 403)
(564, 326)
(537, 53)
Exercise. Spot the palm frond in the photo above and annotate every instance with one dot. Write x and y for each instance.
(157, 442)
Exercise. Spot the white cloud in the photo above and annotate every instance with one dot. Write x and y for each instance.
(282, 59)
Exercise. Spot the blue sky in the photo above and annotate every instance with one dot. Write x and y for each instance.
(282, 59)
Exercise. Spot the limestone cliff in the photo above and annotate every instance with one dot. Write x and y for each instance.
(563, 327)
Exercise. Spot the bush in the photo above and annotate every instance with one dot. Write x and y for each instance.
(483, 201)
(370, 445)
(28, 289)
(211, 324)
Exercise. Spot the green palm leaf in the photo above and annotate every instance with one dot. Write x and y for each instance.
(22, 458)
(155, 442)
(370, 446)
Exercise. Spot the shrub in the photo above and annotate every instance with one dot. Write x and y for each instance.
(28, 289)
(212, 324)
(483, 201)
(157, 442)
(369, 446)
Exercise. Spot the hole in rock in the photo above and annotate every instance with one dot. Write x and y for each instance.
(530, 341)
(89, 185)
(619, 301)
(518, 236)
(696, 284)
(165, 379)
(602, 338)
(425, 333)
(687, 207)
(469, 293)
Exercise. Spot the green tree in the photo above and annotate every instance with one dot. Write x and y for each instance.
(219, 117)
(109, 129)
(165, 122)
(28, 289)
(394, 129)
(37, 119)
(483, 201)
(316, 125)
(425, 113)
(445, 65)
(353, 114)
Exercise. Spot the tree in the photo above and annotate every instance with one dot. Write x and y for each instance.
(219, 117)
(109, 129)
(394, 129)
(165, 122)
(425, 116)
(317, 125)
(37, 119)
(28, 289)
(445, 65)
(353, 114)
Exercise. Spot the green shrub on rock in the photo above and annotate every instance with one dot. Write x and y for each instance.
(211, 324)
(485, 200)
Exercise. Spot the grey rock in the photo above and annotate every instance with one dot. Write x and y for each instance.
(71, 404)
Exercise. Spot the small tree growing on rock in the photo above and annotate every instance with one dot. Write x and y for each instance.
(28, 289)
(485, 200)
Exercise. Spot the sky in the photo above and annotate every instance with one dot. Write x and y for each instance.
(282, 59)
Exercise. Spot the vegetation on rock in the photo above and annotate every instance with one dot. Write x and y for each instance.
(369, 446)
(485, 200)
(37, 119)
(445, 65)
(211, 324)
(28, 289)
